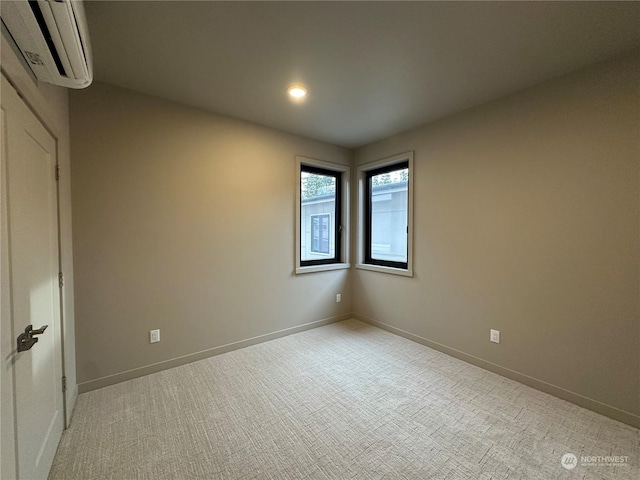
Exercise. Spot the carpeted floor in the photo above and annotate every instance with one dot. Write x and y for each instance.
(343, 401)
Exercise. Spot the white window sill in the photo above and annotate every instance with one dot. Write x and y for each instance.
(322, 268)
(381, 269)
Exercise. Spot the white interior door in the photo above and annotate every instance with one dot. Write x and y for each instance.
(29, 153)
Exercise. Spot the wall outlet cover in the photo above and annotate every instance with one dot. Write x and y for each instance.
(154, 336)
(495, 336)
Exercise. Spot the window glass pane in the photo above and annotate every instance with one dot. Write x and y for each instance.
(318, 204)
(389, 218)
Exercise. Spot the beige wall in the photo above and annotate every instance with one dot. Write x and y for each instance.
(527, 220)
(184, 221)
(50, 104)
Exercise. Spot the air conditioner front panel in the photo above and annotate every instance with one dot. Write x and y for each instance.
(25, 31)
(57, 48)
(66, 22)
(55, 35)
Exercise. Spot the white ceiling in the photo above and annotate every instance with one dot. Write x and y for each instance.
(372, 68)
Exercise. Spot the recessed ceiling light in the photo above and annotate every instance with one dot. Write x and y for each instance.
(297, 91)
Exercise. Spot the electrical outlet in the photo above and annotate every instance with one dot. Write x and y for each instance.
(154, 336)
(338, 298)
(495, 336)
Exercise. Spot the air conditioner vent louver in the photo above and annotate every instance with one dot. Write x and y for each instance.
(47, 37)
(52, 36)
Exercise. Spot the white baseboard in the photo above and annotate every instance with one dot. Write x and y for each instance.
(193, 357)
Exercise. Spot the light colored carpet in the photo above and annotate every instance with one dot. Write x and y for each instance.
(343, 401)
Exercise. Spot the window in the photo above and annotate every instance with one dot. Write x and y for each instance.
(321, 216)
(385, 215)
(320, 195)
(320, 233)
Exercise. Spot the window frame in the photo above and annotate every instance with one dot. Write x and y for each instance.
(364, 256)
(368, 213)
(339, 220)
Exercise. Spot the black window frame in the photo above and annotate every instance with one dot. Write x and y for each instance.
(337, 217)
(369, 174)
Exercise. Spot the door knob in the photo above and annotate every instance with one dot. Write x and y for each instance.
(26, 340)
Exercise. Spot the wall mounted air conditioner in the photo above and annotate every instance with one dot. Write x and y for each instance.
(53, 38)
